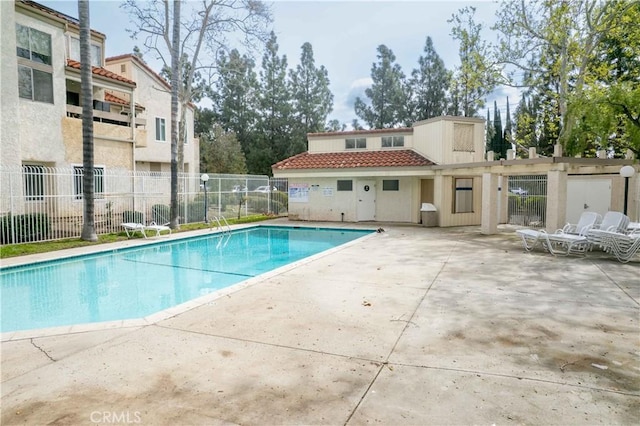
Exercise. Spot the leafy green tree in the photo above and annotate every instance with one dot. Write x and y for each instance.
(555, 43)
(274, 141)
(335, 126)
(608, 111)
(477, 76)
(220, 152)
(429, 84)
(312, 98)
(387, 95)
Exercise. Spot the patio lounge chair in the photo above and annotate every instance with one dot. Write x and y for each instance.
(622, 246)
(569, 239)
(157, 228)
(556, 243)
(131, 228)
(611, 222)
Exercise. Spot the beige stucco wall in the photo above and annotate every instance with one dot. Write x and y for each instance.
(434, 139)
(40, 135)
(333, 143)
(156, 99)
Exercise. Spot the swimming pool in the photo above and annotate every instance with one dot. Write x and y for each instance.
(136, 282)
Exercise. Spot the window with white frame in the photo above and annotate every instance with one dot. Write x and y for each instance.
(35, 73)
(463, 196)
(355, 143)
(161, 129)
(74, 51)
(98, 182)
(390, 185)
(33, 178)
(392, 141)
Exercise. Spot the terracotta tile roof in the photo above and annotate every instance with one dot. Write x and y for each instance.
(364, 132)
(101, 72)
(70, 19)
(356, 159)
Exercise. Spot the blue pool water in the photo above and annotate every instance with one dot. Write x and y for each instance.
(136, 282)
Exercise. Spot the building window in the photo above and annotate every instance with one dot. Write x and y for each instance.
(35, 85)
(33, 182)
(355, 143)
(391, 185)
(345, 185)
(33, 45)
(160, 129)
(463, 137)
(35, 75)
(392, 141)
(463, 200)
(98, 182)
(74, 52)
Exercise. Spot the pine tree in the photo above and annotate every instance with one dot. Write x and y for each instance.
(220, 152)
(235, 96)
(387, 95)
(312, 98)
(429, 84)
(273, 142)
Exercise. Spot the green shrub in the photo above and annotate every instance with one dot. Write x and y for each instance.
(131, 216)
(24, 228)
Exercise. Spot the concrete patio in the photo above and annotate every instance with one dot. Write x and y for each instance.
(411, 326)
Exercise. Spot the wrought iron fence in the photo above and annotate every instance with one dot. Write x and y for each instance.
(527, 198)
(41, 203)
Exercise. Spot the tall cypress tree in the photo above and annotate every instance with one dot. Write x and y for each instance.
(507, 137)
(387, 95)
(497, 145)
(488, 141)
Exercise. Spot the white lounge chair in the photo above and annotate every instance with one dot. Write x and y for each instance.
(611, 222)
(131, 228)
(587, 221)
(569, 239)
(157, 228)
(622, 246)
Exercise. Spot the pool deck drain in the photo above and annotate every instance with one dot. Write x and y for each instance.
(410, 326)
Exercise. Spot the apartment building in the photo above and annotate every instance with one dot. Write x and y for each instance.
(41, 121)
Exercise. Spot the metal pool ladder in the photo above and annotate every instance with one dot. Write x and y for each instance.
(226, 229)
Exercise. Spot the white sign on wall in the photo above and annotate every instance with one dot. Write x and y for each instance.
(327, 191)
(298, 192)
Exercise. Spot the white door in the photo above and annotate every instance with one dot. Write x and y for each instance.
(366, 200)
(587, 195)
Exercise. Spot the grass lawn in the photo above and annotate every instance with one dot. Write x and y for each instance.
(47, 246)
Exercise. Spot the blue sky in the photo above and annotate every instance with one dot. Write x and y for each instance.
(344, 36)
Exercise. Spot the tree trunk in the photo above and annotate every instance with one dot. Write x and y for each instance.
(175, 81)
(88, 179)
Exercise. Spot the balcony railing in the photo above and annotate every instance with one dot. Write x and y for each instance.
(118, 119)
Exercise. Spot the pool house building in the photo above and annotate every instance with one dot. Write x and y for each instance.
(437, 173)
